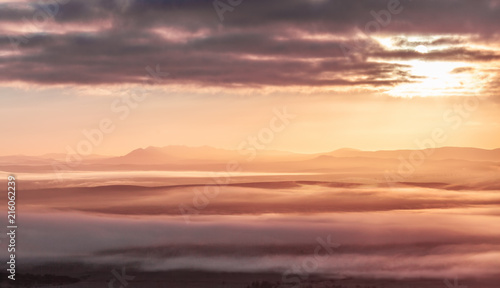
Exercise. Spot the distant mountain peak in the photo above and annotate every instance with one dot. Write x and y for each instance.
(345, 149)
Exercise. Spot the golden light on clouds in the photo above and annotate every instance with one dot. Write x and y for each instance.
(433, 67)
(309, 143)
(422, 49)
(438, 78)
(242, 70)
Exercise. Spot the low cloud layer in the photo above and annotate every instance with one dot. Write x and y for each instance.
(396, 244)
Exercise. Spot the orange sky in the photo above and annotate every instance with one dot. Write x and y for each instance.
(348, 86)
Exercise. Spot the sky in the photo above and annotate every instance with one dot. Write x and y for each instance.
(381, 74)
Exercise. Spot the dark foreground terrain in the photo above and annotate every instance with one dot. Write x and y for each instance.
(84, 276)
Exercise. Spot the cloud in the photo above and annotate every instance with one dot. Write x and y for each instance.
(260, 43)
(397, 244)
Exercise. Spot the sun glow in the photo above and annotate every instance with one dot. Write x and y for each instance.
(422, 49)
(437, 78)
